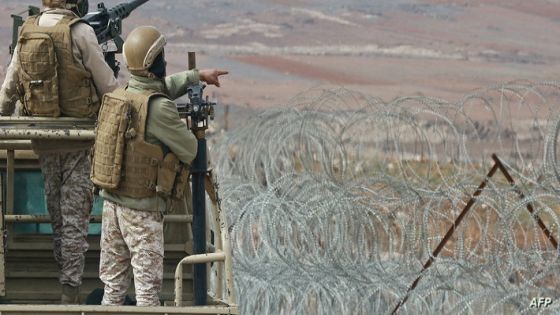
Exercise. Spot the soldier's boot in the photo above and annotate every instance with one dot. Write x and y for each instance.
(70, 294)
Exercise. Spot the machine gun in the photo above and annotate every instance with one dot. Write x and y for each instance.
(107, 24)
(200, 109)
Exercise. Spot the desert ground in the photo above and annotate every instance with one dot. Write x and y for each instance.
(385, 49)
(277, 49)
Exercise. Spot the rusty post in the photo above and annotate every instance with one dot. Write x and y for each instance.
(192, 60)
(530, 208)
(497, 165)
(448, 234)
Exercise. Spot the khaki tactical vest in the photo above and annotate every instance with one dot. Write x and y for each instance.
(51, 82)
(123, 162)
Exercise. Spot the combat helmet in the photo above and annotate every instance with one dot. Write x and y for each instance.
(80, 7)
(141, 48)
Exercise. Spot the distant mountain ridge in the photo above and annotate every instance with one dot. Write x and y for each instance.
(385, 48)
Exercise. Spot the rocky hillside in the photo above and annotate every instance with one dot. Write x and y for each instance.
(277, 48)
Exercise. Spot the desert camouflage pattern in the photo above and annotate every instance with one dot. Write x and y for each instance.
(69, 197)
(131, 238)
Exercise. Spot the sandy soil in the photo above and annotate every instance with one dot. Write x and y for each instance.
(384, 77)
(276, 49)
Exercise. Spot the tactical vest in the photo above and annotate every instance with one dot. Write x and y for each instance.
(51, 83)
(123, 162)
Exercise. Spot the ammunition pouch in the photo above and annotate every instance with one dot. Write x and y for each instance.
(172, 178)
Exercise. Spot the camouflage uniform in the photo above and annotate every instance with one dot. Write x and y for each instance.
(65, 163)
(69, 197)
(132, 229)
(131, 237)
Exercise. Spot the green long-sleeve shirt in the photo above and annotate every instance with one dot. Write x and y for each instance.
(164, 127)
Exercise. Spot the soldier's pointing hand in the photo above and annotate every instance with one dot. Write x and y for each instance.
(211, 76)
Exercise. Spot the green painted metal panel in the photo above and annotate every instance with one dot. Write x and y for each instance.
(30, 199)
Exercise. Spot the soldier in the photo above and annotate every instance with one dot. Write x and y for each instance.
(156, 142)
(58, 69)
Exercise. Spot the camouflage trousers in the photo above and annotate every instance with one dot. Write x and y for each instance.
(131, 238)
(69, 196)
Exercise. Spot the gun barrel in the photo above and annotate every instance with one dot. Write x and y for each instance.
(123, 10)
(136, 3)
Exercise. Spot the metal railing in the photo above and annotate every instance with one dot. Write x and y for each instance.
(16, 133)
(222, 255)
(45, 218)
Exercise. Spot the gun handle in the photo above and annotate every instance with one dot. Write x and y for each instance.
(192, 60)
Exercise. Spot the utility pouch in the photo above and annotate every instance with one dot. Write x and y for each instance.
(167, 172)
(172, 175)
(38, 75)
(181, 182)
(110, 139)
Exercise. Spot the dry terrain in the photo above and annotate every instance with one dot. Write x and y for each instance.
(278, 48)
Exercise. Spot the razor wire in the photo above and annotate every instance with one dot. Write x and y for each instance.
(336, 201)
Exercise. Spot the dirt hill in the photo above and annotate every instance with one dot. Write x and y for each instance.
(277, 48)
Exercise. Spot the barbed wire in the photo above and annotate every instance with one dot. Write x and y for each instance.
(337, 200)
